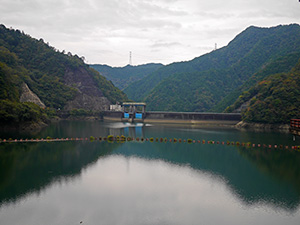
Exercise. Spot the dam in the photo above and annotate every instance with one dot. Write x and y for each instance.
(136, 112)
(178, 117)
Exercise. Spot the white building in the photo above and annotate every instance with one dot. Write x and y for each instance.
(115, 107)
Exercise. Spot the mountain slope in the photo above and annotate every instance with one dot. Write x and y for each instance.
(219, 59)
(202, 83)
(124, 76)
(276, 99)
(59, 80)
(283, 64)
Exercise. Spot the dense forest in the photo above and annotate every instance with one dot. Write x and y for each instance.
(280, 65)
(213, 81)
(122, 77)
(24, 59)
(275, 99)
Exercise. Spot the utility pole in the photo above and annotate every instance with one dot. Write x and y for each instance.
(215, 46)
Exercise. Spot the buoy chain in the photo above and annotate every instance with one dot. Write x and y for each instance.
(111, 138)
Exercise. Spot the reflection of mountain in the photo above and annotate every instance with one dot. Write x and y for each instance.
(75, 129)
(278, 164)
(253, 175)
(279, 187)
(31, 167)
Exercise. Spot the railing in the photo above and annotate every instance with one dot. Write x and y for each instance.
(295, 123)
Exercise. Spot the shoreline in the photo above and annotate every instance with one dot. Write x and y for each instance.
(240, 125)
(25, 126)
(174, 121)
(262, 127)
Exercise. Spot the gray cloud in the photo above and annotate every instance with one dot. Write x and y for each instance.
(162, 44)
(104, 31)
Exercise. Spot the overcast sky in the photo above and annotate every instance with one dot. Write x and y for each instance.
(165, 31)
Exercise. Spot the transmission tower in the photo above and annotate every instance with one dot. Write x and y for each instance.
(130, 59)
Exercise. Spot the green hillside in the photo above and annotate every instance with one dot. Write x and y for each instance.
(201, 84)
(276, 99)
(281, 65)
(220, 59)
(122, 77)
(217, 59)
(45, 70)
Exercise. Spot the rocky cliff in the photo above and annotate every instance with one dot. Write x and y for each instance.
(28, 96)
(89, 96)
(32, 71)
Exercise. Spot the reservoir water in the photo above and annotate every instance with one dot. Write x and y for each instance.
(84, 182)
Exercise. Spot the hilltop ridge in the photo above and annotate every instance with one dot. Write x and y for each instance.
(60, 80)
(122, 77)
(203, 83)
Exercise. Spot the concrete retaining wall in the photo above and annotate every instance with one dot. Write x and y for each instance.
(113, 114)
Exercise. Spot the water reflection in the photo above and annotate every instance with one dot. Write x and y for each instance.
(153, 183)
(150, 192)
(30, 167)
(283, 168)
(244, 177)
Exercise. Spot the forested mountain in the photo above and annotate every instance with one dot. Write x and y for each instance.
(201, 84)
(124, 76)
(275, 99)
(281, 65)
(56, 79)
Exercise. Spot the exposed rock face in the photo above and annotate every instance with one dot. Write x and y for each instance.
(89, 96)
(28, 96)
(87, 102)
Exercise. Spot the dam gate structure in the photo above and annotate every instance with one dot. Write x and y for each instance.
(133, 111)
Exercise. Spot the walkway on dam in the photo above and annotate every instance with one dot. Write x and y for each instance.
(189, 117)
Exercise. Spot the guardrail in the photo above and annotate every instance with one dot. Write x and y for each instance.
(295, 127)
(295, 123)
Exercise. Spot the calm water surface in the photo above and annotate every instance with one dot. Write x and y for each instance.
(148, 183)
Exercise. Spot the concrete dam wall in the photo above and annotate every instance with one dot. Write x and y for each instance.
(180, 117)
(193, 116)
